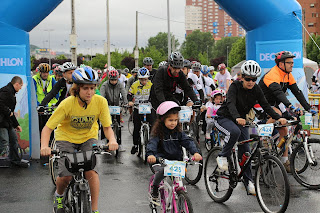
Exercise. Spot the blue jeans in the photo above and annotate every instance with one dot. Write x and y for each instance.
(8, 136)
(234, 133)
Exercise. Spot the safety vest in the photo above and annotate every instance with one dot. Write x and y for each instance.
(41, 93)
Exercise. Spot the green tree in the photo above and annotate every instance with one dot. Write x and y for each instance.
(152, 52)
(313, 52)
(238, 52)
(61, 57)
(223, 46)
(198, 42)
(32, 59)
(160, 41)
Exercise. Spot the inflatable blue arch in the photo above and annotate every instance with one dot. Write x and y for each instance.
(271, 27)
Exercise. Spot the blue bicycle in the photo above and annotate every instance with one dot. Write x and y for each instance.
(216, 139)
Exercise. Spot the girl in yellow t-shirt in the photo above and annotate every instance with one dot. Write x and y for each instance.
(76, 121)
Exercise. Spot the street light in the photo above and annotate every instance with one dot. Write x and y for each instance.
(207, 54)
(49, 30)
(227, 55)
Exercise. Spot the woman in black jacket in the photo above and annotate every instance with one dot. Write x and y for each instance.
(231, 119)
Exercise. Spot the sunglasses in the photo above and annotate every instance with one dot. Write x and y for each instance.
(250, 79)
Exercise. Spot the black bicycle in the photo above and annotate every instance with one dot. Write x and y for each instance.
(77, 197)
(271, 180)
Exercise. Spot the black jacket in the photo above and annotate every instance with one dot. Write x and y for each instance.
(60, 85)
(152, 74)
(170, 147)
(240, 101)
(7, 105)
(164, 87)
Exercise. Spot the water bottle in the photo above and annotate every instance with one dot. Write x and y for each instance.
(245, 157)
(282, 141)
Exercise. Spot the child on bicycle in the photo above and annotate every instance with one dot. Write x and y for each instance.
(111, 90)
(139, 91)
(212, 107)
(77, 128)
(166, 141)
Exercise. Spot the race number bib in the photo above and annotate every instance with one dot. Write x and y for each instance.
(175, 168)
(185, 114)
(144, 109)
(308, 118)
(114, 110)
(265, 129)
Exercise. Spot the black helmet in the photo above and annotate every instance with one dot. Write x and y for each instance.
(283, 55)
(176, 60)
(196, 66)
(187, 63)
(147, 61)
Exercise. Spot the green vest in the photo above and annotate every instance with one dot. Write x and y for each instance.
(40, 91)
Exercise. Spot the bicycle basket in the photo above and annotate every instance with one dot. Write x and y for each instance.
(80, 160)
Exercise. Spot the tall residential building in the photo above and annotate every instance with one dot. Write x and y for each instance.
(208, 16)
(311, 10)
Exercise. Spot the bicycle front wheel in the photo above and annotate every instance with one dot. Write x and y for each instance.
(53, 164)
(69, 202)
(272, 185)
(307, 174)
(144, 141)
(130, 124)
(183, 203)
(193, 169)
(216, 181)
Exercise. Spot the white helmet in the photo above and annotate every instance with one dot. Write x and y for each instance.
(143, 73)
(68, 66)
(211, 68)
(251, 68)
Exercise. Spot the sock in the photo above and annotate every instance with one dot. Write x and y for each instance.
(56, 194)
(284, 159)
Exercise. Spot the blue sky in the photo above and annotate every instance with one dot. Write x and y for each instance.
(91, 24)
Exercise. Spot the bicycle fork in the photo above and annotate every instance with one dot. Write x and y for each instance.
(308, 150)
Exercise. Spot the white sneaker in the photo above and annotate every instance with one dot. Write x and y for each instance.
(208, 136)
(251, 189)
(222, 163)
(121, 149)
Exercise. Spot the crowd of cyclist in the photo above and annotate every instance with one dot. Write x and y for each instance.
(225, 103)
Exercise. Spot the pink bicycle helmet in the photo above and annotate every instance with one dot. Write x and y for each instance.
(221, 66)
(216, 92)
(164, 107)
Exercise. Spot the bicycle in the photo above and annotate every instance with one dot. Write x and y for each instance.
(304, 163)
(77, 197)
(194, 169)
(130, 124)
(116, 126)
(216, 139)
(271, 180)
(173, 195)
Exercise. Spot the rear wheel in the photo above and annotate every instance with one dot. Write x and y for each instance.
(306, 174)
(130, 124)
(53, 163)
(193, 169)
(183, 203)
(217, 182)
(272, 185)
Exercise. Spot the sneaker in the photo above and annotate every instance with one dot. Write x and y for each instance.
(287, 166)
(222, 163)
(155, 195)
(250, 188)
(96, 211)
(58, 206)
(134, 149)
(208, 136)
(121, 149)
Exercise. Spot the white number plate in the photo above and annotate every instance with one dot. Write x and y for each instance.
(308, 118)
(114, 110)
(265, 129)
(185, 116)
(175, 168)
(144, 109)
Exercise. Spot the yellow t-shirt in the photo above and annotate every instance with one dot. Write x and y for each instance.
(76, 124)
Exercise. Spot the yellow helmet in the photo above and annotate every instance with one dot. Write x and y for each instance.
(44, 67)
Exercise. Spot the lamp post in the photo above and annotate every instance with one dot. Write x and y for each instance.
(227, 56)
(207, 54)
(49, 30)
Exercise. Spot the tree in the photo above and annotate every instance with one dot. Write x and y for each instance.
(313, 52)
(61, 57)
(238, 52)
(222, 46)
(154, 53)
(216, 61)
(198, 42)
(160, 41)
(128, 62)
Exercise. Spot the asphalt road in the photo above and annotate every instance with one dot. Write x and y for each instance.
(124, 183)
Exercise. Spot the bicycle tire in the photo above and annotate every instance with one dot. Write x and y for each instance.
(115, 128)
(85, 201)
(130, 124)
(194, 176)
(142, 147)
(53, 164)
(69, 202)
(266, 179)
(212, 176)
(308, 175)
(194, 130)
(183, 203)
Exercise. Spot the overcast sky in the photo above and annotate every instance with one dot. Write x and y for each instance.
(91, 24)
